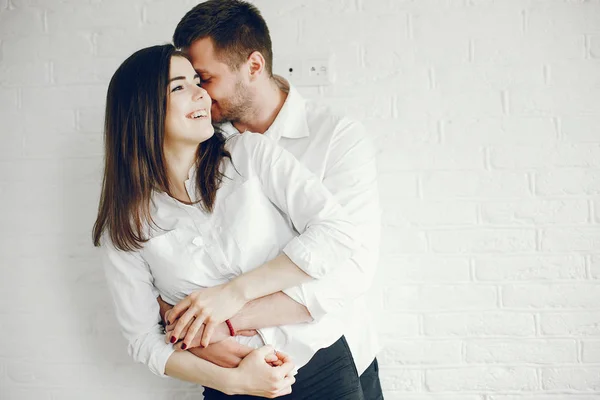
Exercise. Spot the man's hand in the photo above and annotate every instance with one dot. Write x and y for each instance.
(164, 307)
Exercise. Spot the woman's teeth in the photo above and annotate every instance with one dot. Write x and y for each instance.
(198, 114)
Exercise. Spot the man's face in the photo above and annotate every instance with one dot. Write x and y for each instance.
(227, 88)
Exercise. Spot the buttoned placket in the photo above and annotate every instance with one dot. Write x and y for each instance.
(208, 230)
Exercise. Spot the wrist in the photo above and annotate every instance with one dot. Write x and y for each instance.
(238, 290)
(221, 333)
(236, 384)
(239, 322)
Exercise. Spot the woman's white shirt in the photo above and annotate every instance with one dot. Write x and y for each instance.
(265, 200)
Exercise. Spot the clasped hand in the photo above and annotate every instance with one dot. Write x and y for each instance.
(209, 307)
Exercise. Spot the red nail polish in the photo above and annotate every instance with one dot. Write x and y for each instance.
(173, 339)
(183, 346)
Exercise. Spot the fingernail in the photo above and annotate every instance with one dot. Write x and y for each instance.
(183, 346)
(173, 339)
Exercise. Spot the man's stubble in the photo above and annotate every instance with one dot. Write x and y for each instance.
(238, 108)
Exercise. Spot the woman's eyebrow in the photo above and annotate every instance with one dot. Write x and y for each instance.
(182, 78)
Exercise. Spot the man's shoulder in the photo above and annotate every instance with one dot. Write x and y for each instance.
(325, 121)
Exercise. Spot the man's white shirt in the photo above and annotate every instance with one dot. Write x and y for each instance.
(339, 152)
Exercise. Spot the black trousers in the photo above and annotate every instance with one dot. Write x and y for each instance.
(330, 375)
(370, 384)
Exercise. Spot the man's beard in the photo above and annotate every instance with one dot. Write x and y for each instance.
(236, 108)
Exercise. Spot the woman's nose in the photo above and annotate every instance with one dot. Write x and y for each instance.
(199, 93)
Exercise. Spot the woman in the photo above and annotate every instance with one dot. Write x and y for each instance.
(200, 221)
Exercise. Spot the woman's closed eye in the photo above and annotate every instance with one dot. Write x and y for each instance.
(180, 87)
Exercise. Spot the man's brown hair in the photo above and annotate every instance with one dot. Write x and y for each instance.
(236, 28)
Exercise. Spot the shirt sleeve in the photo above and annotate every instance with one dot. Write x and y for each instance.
(130, 283)
(327, 236)
(351, 176)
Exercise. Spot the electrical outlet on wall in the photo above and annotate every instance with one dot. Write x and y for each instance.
(309, 71)
(318, 71)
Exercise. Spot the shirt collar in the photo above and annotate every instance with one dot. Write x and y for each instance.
(290, 122)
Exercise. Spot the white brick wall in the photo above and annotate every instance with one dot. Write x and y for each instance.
(487, 116)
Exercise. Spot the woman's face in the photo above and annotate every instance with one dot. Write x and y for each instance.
(188, 106)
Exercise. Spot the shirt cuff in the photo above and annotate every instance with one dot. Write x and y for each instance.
(159, 364)
(307, 299)
(303, 258)
(155, 356)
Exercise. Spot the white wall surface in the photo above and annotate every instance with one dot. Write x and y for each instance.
(487, 117)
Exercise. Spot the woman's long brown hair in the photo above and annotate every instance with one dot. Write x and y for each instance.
(134, 163)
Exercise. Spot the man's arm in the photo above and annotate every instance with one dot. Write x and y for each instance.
(273, 310)
(351, 176)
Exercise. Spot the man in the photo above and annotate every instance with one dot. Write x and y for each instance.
(229, 45)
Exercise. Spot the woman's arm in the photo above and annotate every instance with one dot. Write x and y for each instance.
(254, 376)
(134, 296)
(133, 293)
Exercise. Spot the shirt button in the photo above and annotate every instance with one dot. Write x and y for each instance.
(198, 241)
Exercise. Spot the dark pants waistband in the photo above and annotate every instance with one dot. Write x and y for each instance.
(331, 374)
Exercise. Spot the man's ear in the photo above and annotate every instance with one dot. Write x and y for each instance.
(256, 65)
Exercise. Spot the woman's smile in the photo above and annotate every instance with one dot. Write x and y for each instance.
(198, 114)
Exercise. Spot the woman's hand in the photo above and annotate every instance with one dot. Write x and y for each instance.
(210, 306)
(221, 333)
(257, 377)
